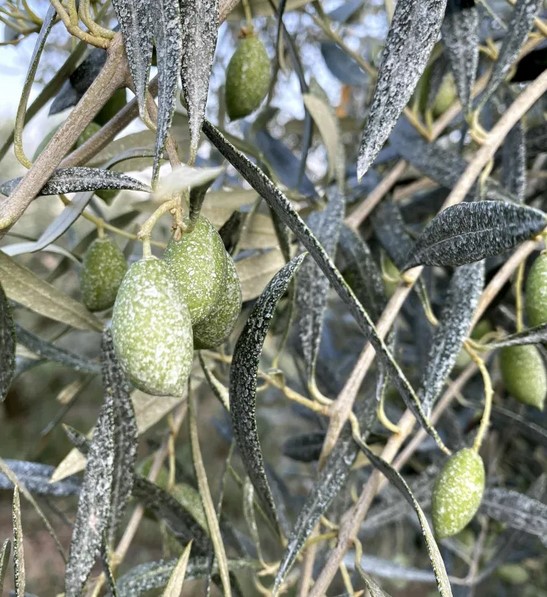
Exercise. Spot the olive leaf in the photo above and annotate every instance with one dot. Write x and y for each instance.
(176, 580)
(117, 393)
(279, 202)
(243, 374)
(505, 418)
(24, 287)
(19, 576)
(94, 504)
(312, 285)
(437, 563)
(460, 35)
(199, 39)
(36, 478)
(520, 23)
(5, 552)
(135, 19)
(513, 162)
(7, 345)
(459, 307)
(73, 180)
(535, 335)
(516, 510)
(305, 447)
(390, 229)
(470, 232)
(413, 32)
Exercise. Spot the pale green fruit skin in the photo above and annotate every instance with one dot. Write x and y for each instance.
(457, 493)
(198, 263)
(87, 133)
(445, 96)
(218, 325)
(523, 373)
(152, 330)
(536, 292)
(247, 78)
(102, 272)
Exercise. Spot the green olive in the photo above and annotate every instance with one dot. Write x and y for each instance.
(247, 77)
(102, 272)
(218, 325)
(457, 493)
(523, 373)
(87, 133)
(198, 263)
(536, 292)
(446, 96)
(152, 330)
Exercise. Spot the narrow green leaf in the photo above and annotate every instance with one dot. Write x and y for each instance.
(135, 19)
(46, 350)
(176, 580)
(199, 39)
(312, 286)
(279, 202)
(454, 326)
(513, 162)
(36, 479)
(443, 584)
(520, 24)
(117, 393)
(391, 231)
(535, 335)
(5, 552)
(470, 232)
(23, 286)
(7, 345)
(305, 447)
(413, 32)
(243, 374)
(19, 575)
(460, 35)
(75, 180)
(219, 390)
(94, 504)
(105, 556)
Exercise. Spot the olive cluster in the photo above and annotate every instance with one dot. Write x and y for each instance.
(164, 308)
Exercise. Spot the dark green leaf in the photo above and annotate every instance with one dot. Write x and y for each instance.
(135, 19)
(197, 197)
(470, 232)
(520, 23)
(279, 202)
(312, 285)
(199, 39)
(305, 447)
(413, 32)
(391, 231)
(117, 393)
(94, 504)
(454, 326)
(513, 162)
(535, 335)
(167, 508)
(504, 419)
(36, 478)
(516, 510)
(443, 584)
(19, 575)
(49, 351)
(7, 345)
(4, 561)
(73, 180)
(243, 374)
(105, 557)
(460, 35)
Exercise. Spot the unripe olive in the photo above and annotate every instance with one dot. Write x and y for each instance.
(457, 492)
(218, 325)
(87, 133)
(198, 263)
(152, 330)
(102, 272)
(247, 77)
(523, 373)
(446, 95)
(536, 292)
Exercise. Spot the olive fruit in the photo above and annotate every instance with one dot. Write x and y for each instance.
(446, 95)
(198, 263)
(152, 330)
(523, 373)
(536, 292)
(247, 77)
(217, 326)
(102, 272)
(87, 133)
(457, 492)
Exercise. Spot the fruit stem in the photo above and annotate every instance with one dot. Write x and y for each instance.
(518, 296)
(248, 16)
(383, 418)
(488, 395)
(100, 227)
(146, 229)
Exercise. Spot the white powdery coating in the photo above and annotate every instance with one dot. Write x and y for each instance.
(218, 325)
(536, 292)
(198, 263)
(151, 329)
(103, 269)
(524, 374)
(457, 493)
